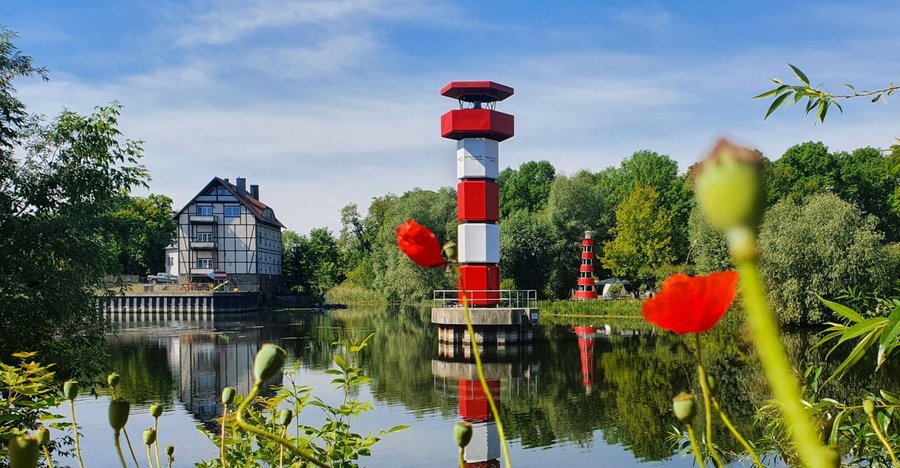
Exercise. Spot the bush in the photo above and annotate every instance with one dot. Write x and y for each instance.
(819, 247)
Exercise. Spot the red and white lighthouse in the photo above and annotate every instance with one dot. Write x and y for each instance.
(587, 287)
(478, 129)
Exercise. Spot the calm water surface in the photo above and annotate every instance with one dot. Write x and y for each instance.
(603, 400)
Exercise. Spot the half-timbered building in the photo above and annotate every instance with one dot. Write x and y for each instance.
(226, 231)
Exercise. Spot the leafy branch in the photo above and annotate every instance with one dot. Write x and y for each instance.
(817, 99)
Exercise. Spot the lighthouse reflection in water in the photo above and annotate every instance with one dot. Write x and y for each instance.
(509, 367)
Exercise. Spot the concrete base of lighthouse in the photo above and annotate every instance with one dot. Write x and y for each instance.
(493, 325)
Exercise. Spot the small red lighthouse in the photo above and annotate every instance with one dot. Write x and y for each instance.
(587, 287)
(478, 129)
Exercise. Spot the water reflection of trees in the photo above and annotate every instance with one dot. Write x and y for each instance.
(634, 377)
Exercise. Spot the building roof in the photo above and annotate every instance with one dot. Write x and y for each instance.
(255, 206)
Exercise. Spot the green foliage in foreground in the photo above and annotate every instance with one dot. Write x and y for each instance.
(334, 442)
(27, 395)
(26, 401)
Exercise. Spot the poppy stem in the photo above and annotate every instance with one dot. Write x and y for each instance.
(156, 442)
(128, 440)
(222, 437)
(478, 367)
(75, 434)
(694, 445)
(779, 373)
(119, 449)
(707, 407)
(239, 415)
(737, 435)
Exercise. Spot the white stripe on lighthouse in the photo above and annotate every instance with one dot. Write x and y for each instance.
(477, 158)
(478, 243)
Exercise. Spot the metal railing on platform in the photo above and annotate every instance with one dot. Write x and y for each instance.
(525, 298)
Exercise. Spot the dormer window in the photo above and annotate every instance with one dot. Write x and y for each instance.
(268, 214)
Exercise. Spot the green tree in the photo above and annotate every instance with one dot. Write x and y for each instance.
(868, 178)
(819, 247)
(141, 228)
(574, 206)
(708, 249)
(649, 169)
(396, 278)
(53, 241)
(526, 188)
(803, 170)
(311, 263)
(357, 240)
(526, 240)
(642, 239)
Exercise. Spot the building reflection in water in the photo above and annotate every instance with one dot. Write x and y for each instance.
(205, 356)
(509, 365)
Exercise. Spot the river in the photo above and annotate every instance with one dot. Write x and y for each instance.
(603, 399)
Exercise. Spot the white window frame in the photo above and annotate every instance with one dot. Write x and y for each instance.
(238, 207)
(203, 237)
(205, 263)
(202, 208)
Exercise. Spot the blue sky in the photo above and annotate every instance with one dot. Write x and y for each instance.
(324, 103)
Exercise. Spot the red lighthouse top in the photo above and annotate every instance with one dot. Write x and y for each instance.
(477, 91)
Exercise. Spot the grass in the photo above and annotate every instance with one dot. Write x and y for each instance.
(351, 294)
(618, 314)
(598, 308)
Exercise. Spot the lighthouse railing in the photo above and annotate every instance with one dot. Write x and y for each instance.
(507, 298)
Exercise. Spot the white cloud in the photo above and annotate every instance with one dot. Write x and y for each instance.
(228, 21)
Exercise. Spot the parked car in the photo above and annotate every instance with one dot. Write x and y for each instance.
(162, 278)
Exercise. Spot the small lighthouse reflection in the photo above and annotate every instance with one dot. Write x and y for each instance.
(586, 337)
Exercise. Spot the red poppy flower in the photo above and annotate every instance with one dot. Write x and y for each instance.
(420, 244)
(691, 304)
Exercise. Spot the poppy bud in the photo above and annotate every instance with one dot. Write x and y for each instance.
(150, 436)
(156, 410)
(284, 417)
(170, 450)
(269, 360)
(684, 407)
(227, 395)
(450, 250)
(729, 187)
(23, 451)
(42, 435)
(118, 413)
(869, 406)
(70, 389)
(113, 379)
(462, 433)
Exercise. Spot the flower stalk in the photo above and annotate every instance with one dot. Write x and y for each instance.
(707, 406)
(269, 360)
(480, 370)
